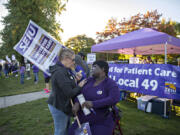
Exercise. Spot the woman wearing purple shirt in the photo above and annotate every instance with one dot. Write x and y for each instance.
(35, 71)
(101, 93)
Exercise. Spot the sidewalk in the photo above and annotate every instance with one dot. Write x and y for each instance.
(22, 98)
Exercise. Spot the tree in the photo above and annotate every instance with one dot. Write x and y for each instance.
(138, 21)
(42, 12)
(80, 43)
(177, 28)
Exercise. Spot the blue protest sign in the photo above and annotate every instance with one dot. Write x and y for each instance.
(39, 47)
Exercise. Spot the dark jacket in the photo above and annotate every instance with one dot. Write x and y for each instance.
(63, 88)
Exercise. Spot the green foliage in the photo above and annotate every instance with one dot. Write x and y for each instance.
(42, 12)
(80, 43)
(177, 28)
(150, 19)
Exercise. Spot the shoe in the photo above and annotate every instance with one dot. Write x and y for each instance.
(46, 90)
(49, 91)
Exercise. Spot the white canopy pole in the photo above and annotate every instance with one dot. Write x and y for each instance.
(165, 53)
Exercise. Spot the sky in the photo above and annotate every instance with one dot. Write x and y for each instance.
(91, 16)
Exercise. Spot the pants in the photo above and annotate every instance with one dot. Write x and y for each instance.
(6, 72)
(61, 121)
(28, 73)
(22, 78)
(36, 77)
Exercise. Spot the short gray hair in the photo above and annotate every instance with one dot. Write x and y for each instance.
(65, 52)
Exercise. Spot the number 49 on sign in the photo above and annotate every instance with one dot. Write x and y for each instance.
(153, 84)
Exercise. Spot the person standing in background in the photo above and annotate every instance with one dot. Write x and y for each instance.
(0, 69)
(13, 68)
(178, 59)
(35, 71)
(79, 70)
(22, 72)
(28, 69)
(46, 79)
(149, 60)
(6, 68)
(9, 68)
(84, 65)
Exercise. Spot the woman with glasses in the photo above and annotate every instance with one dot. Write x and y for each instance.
(64, 88)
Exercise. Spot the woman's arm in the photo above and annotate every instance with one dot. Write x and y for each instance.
(65, 83)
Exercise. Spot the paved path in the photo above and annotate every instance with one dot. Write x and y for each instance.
(22, 98)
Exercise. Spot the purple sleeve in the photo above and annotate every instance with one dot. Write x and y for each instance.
(111, 99)
(24, 69)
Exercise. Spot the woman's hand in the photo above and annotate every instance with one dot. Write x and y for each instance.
(81, 83)
(75, 108)
(78, 75)
(87, 104)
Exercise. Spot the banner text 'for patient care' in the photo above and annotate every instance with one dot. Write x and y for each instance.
(161, 80)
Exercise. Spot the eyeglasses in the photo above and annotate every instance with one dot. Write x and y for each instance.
(72, 59)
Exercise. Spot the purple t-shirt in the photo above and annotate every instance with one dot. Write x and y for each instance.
(22, 70)
(102, 96)
(35, 69)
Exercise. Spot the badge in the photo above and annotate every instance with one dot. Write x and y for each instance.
(99, 92)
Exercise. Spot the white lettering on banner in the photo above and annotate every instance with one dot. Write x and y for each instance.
(44, 42)
(114, 77)
(138, 71)
(165, 73)
(128, 83)
(111, 69)
(49, 44)
(27, 38)
(31, 32)
(118, 70)
(146, 84)
(22, 46)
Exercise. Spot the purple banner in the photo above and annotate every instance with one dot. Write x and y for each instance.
(162, 80)
(27, 39)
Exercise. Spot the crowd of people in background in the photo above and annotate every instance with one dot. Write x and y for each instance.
(17, 69)
(23, 70)
(8, 69)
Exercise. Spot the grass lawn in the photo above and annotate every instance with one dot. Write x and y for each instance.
(11, 86)
(31, 118)
(34, 118)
